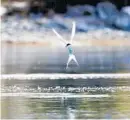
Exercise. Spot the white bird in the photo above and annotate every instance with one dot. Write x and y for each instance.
(68, 44)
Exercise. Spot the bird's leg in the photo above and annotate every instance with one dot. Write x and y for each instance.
(74, 58)
(69, 60)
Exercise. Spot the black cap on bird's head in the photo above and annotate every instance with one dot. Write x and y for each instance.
(68, 44)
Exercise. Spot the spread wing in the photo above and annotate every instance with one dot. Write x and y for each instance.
(73, 32)
(59, 36)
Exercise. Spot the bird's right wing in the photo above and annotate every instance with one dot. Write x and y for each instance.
(59, 36)
(73, 32)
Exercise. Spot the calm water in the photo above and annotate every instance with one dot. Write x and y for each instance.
(65, 99)
(40, 59)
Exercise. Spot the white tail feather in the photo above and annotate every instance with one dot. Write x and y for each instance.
(59, 36)
(73, 32)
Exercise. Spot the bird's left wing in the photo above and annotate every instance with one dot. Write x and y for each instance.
(59, 36)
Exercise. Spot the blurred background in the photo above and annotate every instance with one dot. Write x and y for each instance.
(89, 14)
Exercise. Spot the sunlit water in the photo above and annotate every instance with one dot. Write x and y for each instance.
(115, 106)
(65, 98)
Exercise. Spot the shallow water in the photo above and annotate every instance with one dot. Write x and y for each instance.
(66, 99)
